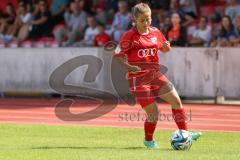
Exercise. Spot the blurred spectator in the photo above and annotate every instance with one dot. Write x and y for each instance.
(98, 4)
(176, 33)
(159, 21)
(111, 8)
(227, 36)
(41, 26)
(90, 32)
(216, 15)
(189, 7)
(4, 3)
(156, 4)
(75, 23)
(98, 10)
(175, 8)
(87, 5)
(163, 4)
(23, 19)
(111, 5)
(202, 35)
(101, 16)
(101, 38)
(121, 20)
(33, 19)
(30, 4)
(212, 2)
(213, 9)
(237, 26)
(81, 3)
(8, 18)
(1, 14)
(57, 9)
(233, 9)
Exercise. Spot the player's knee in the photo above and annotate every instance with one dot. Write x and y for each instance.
(176, 104)
(175, 100)
(152, 117)
(152, 112)
(166, 89)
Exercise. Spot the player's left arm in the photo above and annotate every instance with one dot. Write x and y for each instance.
(166, 47)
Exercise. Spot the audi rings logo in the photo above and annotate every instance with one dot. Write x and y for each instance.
(147, 52)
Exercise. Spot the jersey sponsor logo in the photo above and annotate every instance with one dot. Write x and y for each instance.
(154, 40)
(142, 53)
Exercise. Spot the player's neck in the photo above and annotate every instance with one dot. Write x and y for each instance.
(142, 31)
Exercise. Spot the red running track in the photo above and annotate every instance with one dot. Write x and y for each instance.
(42, 111)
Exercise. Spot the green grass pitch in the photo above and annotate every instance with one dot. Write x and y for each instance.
(45, 142)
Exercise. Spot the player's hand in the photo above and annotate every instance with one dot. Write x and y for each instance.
(166, 44)
(166, 47)
(134, 69)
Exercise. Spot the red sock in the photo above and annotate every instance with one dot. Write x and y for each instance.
(180, 118)
(149, 128)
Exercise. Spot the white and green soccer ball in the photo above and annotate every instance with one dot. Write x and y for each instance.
(181, 140)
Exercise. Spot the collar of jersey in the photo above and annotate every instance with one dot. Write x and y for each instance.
(140, 33)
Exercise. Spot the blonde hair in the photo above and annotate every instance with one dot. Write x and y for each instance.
(140, 8)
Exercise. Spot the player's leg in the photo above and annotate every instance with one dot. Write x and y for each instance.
(151, 121)
(178, 111)
(150, 107)
(168, 93)
(147, 102)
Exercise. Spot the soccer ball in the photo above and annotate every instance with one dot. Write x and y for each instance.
(181, 140)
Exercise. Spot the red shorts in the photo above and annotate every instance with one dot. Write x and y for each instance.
(147, 84)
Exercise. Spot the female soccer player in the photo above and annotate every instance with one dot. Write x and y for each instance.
(137, 52)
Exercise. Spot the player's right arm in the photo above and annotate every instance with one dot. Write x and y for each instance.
(124, 63)
(121, 52)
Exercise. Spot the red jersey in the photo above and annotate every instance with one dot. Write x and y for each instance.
(101, 39)
(141, 47)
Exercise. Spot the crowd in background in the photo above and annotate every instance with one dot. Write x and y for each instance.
(207, 23)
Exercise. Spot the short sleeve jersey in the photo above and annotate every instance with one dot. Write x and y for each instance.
(140, 47)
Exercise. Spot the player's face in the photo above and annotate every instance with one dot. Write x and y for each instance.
(143, 21)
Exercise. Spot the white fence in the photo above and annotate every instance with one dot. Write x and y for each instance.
(195, 72)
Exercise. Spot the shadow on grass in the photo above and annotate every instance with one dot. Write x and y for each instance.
(125, 148)
(168, 149)
(101, 147)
